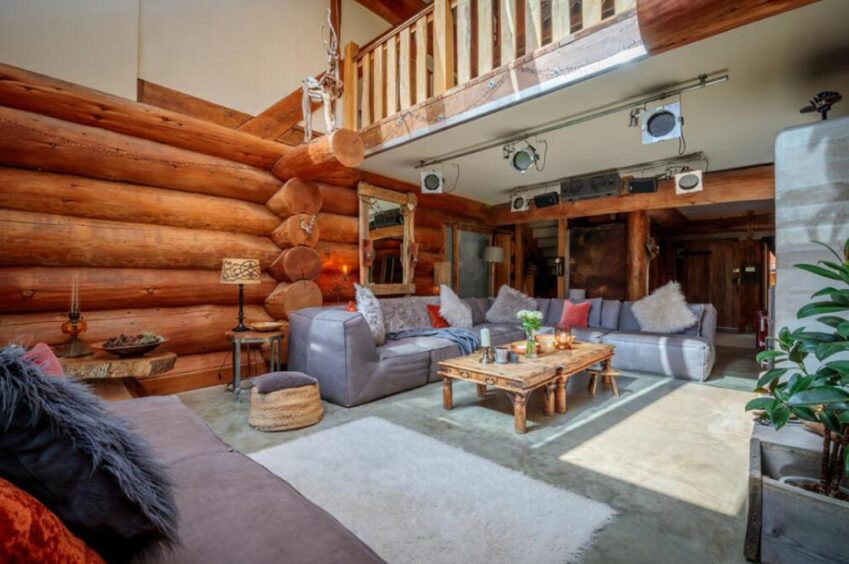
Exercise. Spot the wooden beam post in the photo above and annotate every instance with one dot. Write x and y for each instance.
(351, 86)
(637, 265)
(519, 258)
(443, 46)
(563, 252)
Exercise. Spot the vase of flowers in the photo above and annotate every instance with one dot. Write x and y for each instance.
(531, 321)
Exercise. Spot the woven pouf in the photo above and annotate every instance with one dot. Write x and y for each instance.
(281, 401)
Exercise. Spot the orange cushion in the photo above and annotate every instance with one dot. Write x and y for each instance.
(436, 320)
(32, 533)
(352, 306)
(43, 356)
(574, 315)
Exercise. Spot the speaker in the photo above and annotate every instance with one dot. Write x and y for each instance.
(547, 199)
(662, 123)
(519, 203)
(688, 182)
(432, 182)
(642, 185)
(586, 187)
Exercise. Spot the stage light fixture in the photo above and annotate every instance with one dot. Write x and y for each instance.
(521, 159)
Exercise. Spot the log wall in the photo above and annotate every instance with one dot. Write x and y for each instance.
(141, 205)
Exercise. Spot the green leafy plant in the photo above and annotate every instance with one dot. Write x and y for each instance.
(820, 396)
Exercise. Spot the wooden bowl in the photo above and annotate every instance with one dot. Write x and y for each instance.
(519, 347)
(129, 351)
(264, 326)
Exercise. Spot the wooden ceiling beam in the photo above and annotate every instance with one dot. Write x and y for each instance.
(186, 104)
(394, 11)
(669, 218)
(737, 185)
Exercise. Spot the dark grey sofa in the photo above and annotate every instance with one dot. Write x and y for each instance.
(336, 346)
(231, 508)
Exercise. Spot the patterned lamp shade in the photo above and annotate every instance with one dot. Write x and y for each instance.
(240, 271)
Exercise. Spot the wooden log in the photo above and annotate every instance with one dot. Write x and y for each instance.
(37, 93)
(339, 199)
(336, 286)
(184, 104)
(29, 140)
(429, 239)
(201, 371)
(425, 286)
(38, 239)
(337, 256)
(189, 330)
(668, 24)
(295, 196)
(297, 263)
(637, 263)
(101, 199)
(338, 228)
(30, 289)
(330, 158)
(301, 229)
(292, 296)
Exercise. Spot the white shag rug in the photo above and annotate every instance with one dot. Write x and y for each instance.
(414, 499)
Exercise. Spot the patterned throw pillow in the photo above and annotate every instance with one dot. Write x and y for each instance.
(508, 303)
(369, 306)
(436, 320)
(32, 533)
(664, 311)
(575, 315)
(454, 310)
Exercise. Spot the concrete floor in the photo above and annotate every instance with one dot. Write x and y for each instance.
(670, 457)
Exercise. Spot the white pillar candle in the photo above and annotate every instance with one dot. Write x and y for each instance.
(485, 337)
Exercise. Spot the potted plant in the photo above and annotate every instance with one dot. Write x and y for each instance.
(803, 505)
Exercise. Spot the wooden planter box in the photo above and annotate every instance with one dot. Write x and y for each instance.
(787, 524)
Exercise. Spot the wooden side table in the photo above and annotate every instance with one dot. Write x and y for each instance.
(239, 338)
(114, 378)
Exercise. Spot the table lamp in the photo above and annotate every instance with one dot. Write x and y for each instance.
(493, 256)
(240, 271)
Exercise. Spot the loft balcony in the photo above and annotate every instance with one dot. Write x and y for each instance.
(460, 59)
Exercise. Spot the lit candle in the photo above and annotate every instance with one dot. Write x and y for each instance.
(345, 269)
(485, 337)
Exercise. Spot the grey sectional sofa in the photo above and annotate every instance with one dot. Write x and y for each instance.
(336, 346)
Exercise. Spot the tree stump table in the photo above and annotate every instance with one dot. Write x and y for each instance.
(114, 378)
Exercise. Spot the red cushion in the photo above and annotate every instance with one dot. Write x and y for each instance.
(32, 533)
(43, 356)
(574, 315)
(436, 320)
(352, 306)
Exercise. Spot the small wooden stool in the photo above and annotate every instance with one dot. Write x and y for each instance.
(608, 377)
(281, 401)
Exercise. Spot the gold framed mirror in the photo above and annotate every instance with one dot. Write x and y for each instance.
(388, 249)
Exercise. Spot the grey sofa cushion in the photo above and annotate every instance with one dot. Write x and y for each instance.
(629, 324)
(508, 303)
(369, 306)
(610, 310)
(232, 509)
(696, 329)
(555, 311)
(400, 314)
(679, 356)
(542, 306)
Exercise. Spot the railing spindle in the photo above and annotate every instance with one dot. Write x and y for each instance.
(392, 75)
(443, 46)
(485, 37)
(379, 83)
(421, 60)
(464, 41)
(507, 27)
(404, 75)
(560, 20)
(366, 103)
(590, 13)
(350, 72)
(533, 25)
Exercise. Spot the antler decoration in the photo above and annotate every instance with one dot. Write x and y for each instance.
(328, 87)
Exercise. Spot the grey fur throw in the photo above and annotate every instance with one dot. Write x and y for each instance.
(62, 445)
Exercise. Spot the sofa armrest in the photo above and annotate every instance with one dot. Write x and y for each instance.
(708, 324)
(334, 346)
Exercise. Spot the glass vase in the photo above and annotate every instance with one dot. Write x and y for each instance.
(530, 344)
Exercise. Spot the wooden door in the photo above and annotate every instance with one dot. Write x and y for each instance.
(710, 273)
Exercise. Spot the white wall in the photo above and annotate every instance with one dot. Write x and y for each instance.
(89, 42)
(244, 54)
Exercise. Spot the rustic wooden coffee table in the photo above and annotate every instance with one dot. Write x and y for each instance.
(548, 372)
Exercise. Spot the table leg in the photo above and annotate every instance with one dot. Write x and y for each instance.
(611, 375)
(550, 393)
(593, 383)
(520, 414)
(481, 390)
(447, 393)
(237, 371)
(560, 403)
(280, 354)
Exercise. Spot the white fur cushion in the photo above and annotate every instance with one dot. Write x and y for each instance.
(665, 311)
(454, 310)
(508, 303)
(369, 306)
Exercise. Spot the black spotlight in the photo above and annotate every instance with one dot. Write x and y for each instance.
(524, 158)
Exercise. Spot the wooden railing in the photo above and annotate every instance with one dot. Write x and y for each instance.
(451, 42)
